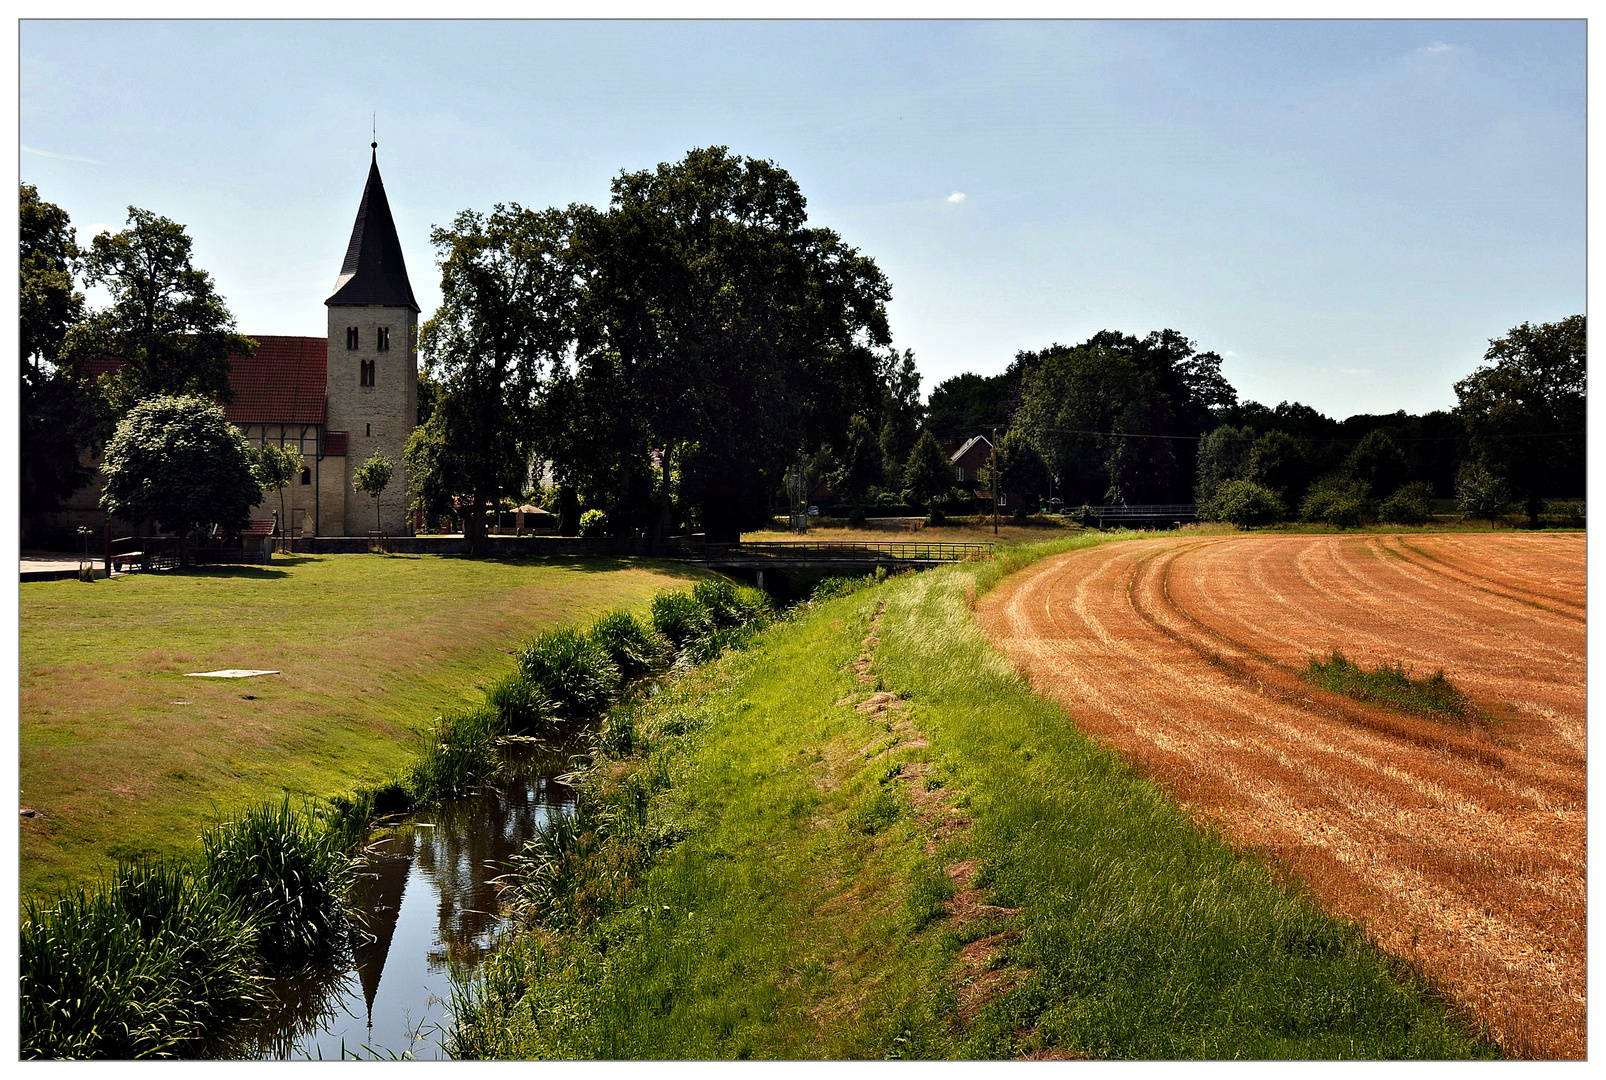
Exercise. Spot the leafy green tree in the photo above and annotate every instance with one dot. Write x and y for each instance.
(732, 332)
(1411, 504)
(902, 411)
(1243, 503)
(373, 477)
(1223, 456)
(860, 466)
(1015, 466)
(276, 466)
(927, 474)
(179, 462)
(1277, 460)
(57, 413)
(1525, 411)
(1337, 500)
(166, 325)
(1480, 492)
(505, 319)
(1378, 462)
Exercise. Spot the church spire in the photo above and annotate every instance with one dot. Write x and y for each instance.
(373, 272)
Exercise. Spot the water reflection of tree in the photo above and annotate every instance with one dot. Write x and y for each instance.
(470, 845)
(300, 1006)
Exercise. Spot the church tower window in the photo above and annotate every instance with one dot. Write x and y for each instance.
(384, 339)
(351, 337)
(368, 372)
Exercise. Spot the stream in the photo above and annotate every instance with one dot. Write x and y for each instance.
(427, 903)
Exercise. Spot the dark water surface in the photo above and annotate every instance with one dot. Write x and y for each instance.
(427, 904)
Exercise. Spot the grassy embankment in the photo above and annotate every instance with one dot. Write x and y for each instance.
(122, 756)
(768, 869)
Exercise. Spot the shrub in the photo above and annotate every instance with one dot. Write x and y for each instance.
(1244, 503)
(679, 618)
(572, 671)
(634, 649)
(594, 523)
(1338, 501)
(520, 706)
(857, 516)
(459, 756)
(1412, 504)
(287, 874)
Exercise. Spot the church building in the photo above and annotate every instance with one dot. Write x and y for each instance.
(336, 399)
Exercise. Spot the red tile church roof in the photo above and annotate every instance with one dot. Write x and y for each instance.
(284, 383)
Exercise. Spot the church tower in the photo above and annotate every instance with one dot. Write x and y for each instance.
(372, 382)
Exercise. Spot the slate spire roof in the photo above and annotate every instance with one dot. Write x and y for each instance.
(373, 272)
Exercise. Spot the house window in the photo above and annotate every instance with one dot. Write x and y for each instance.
(306, 476)
(1003, 500)
(368, 372)
(959, 471)
(351, 337)
(384, 339)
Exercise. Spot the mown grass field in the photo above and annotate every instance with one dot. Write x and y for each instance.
(121, 754)
(875, 841)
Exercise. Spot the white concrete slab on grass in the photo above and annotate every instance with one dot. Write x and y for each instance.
(227, 673)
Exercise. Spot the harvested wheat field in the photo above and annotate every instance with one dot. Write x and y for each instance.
(1460, 845)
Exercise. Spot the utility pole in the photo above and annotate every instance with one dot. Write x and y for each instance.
(992, 462)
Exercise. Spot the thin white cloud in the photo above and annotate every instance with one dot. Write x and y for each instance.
(1228, 354)
(958, 196)
(60, 157)
(1354, 371)
(1437, 47)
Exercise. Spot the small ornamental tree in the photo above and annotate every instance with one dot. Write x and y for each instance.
(373, 477)
(176, 460)
(276, 466)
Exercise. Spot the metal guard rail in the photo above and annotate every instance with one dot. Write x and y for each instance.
(921, 552)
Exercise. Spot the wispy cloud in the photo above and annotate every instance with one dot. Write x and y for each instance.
(958, 196)
(60, 157)
(1437, 47)
(1226, 355)
(1354, 371)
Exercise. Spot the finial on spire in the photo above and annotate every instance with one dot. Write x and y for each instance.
(375, 131)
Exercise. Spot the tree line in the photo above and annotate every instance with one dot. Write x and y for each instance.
(683, 358)
(1152, 420)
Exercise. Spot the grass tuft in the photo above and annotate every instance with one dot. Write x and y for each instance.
(1389, 685)
(572, 671)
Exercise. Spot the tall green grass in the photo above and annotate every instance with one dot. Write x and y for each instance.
(1390, 685)
(780, 901)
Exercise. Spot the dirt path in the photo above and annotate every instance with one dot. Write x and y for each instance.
(1460, 846)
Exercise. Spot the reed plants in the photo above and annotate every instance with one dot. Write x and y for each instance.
(636, 650)
(149, 963)
(459, 756)
(520, 706)
(288, 874)
(572, 670)
(679, 618)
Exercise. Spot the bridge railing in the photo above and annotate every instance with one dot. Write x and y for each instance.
(890, 551)
(1152, 512)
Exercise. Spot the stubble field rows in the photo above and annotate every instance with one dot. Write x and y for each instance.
(1459, 845)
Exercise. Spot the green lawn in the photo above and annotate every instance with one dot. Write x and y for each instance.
(964, 875)
(120, 754)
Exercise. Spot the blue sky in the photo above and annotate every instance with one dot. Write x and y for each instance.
(1347, 211)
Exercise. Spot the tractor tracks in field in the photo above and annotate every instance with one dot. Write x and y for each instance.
(1459, 845)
